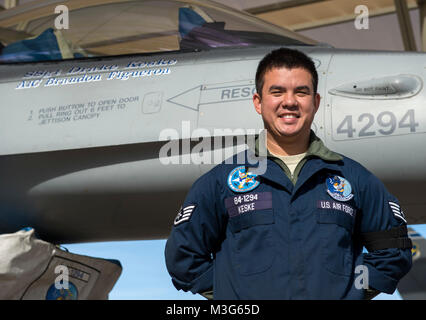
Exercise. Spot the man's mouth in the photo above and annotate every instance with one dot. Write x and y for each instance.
(289, 116)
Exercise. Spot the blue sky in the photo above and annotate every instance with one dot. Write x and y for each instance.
(144, 275)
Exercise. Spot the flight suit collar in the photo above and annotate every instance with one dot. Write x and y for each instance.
(316, 148)
(317, 157)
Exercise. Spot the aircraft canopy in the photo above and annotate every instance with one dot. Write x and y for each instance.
(116, 27)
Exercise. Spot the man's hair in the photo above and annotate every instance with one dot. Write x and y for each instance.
(285, 58)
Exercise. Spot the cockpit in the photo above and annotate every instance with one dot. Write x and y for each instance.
(100, 28)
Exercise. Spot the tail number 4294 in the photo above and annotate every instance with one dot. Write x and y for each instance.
(368, 125)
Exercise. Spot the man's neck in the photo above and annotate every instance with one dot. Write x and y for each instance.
(287, 146)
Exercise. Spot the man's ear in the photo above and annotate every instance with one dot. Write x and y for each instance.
(317, 100)
(257, 103)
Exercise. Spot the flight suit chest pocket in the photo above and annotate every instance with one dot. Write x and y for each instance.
(335, 229)
(252, 241)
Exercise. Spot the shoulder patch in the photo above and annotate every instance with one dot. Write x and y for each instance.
(241, 181)
(397, 212)
(339, 188)
(184, 214)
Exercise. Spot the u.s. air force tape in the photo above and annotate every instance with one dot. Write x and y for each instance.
(184, 214)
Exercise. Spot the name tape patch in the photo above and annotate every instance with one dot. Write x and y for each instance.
(333, 205)
(244, 203)
(184, 214)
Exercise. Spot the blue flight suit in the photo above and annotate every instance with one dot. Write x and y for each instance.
(274, 236)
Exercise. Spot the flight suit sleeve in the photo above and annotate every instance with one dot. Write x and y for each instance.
(389, 253)
(194, 238)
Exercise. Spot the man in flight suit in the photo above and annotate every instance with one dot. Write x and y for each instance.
(297, 230)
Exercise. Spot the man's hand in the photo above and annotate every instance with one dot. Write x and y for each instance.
(370, 293)
(208, 295)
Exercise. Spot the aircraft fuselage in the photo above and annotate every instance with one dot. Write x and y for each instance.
(80, 140)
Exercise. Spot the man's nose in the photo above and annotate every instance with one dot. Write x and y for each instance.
(289, 100)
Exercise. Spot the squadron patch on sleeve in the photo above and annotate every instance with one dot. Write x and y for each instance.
(184, 214)
(397, 212)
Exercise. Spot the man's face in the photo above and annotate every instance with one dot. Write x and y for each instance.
(288, 103)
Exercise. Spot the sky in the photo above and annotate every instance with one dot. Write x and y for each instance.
(144, 275)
